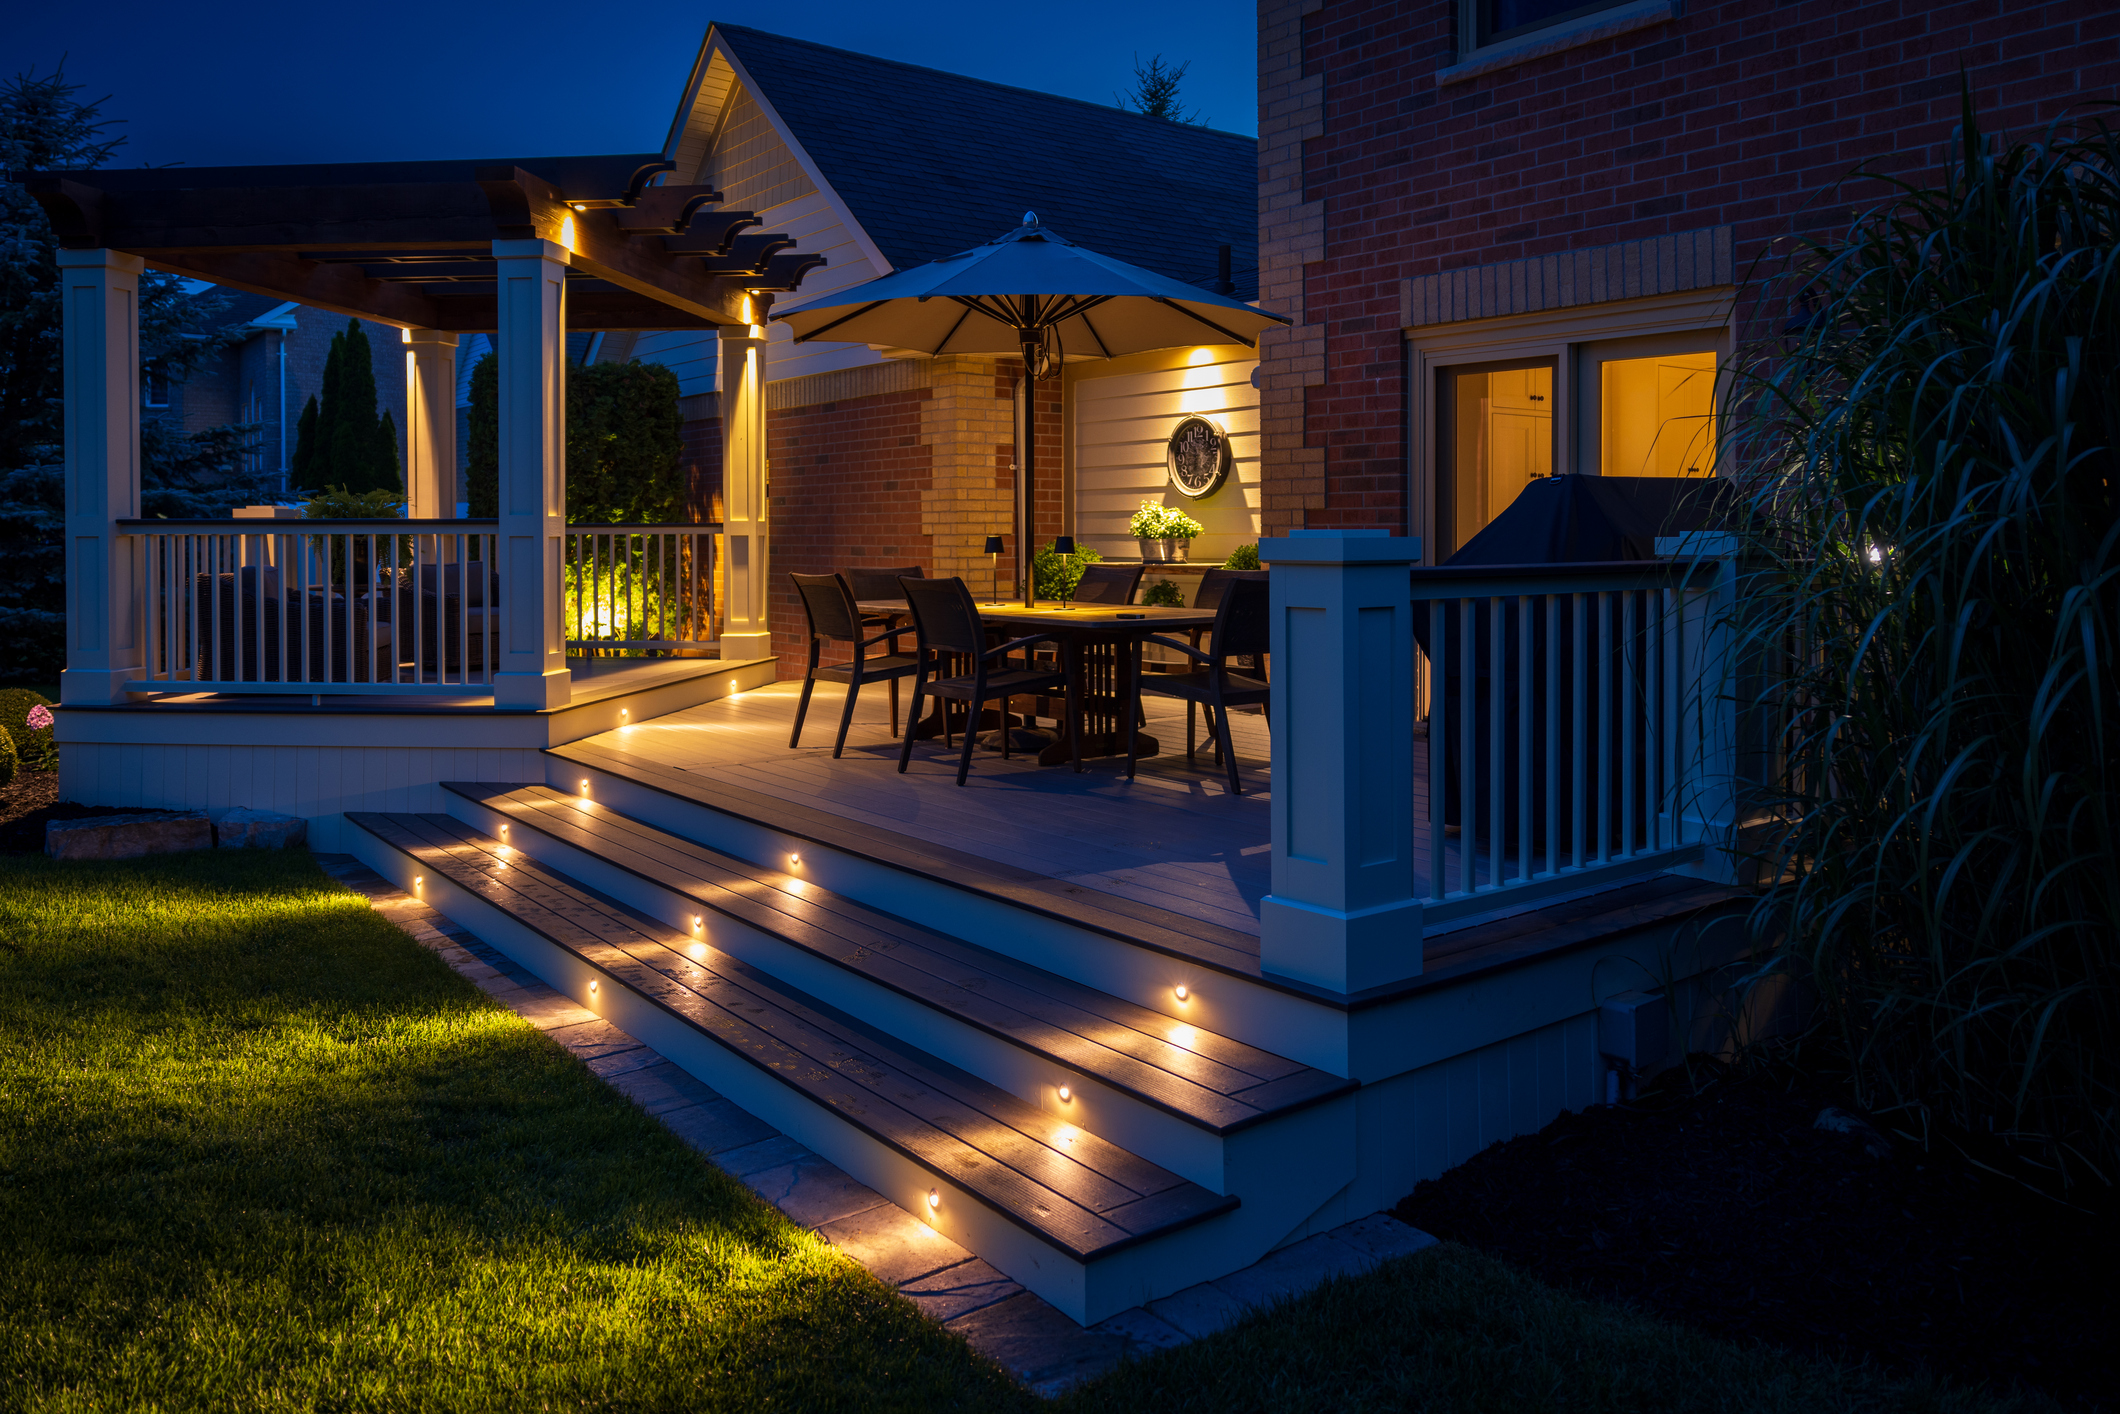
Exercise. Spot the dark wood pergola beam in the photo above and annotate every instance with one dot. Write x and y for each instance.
(255, 229)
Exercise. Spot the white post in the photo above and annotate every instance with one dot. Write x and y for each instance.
(532, 670)
(741, 371)
(1343, 913)
(430, 424)
(100, 323)
(1706, 790)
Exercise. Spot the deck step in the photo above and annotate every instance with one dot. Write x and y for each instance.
(1075, 1217)
(1018, 1025)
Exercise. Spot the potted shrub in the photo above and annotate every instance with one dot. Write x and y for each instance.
(1166, 533)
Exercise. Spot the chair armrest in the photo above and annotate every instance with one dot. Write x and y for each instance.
(1189, 652)
(892, 634)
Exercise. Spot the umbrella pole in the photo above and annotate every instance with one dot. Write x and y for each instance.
(1027, 470)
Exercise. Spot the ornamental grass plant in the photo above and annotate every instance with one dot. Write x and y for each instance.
(1927, 453)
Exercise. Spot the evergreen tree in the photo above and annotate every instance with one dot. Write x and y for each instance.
(482, 459)
(1155, 92)
(300, 471)
(385, 471)
(323, 460)
(353, 426)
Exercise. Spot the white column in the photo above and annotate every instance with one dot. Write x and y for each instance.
(99, 293)
(741, 371)
(532, 669)
(430, 424)
(1343, 913)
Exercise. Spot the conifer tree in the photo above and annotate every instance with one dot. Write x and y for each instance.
(323, 459)
(384, 470)
(300, 471)
(352, 440)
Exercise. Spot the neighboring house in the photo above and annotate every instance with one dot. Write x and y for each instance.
(879, 458)
(270, 373)
(1510, 232)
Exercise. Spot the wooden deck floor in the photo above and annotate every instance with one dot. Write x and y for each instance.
(1174, 836)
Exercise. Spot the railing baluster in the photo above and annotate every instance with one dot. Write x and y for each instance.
(1630, 716)
(1525, 685)
(1438, 751)
(1468, 751)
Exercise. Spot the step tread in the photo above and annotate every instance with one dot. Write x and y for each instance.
(1131, 919)
(1078, 1192)
(1207, 1079)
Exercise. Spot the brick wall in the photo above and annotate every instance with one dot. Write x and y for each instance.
(1728, 115)
(920, 474)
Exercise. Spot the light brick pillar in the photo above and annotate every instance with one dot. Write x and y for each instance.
(99, 292)
(1343, 913)
(969, 422)
(430, 424)
(747, 555)
(532, 670)
(1291, 236)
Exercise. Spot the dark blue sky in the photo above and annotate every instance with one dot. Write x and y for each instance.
(250, 82)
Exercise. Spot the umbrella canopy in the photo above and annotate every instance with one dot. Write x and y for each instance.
(1036, 294)
(1030, 281)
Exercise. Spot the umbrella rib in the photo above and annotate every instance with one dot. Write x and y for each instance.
(877, 304)
(1095, 335)
(1247, 343)
(944, 341)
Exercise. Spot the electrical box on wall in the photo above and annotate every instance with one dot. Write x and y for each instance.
(1634, 1029)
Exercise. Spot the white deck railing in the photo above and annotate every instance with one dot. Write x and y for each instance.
(640, 588)
(1570, 715)
(391, 606)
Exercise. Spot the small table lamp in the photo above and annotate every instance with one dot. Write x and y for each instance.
(1064, 547)
(993, 560)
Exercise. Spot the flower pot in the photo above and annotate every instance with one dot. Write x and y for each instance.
(1165, 552)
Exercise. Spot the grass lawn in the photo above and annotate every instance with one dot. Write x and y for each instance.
(260, 1150)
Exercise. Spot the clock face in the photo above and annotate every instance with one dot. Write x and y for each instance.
(1198, 454)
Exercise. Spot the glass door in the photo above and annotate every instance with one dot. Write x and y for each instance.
(1496, 437)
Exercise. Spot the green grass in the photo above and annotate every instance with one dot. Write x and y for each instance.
(259, 1150)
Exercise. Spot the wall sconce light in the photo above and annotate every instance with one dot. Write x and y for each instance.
(592, 988)
(699, 922)
(418, 879)
(1066, 1094)
(585, 785)
(795, 861)
(1183, 993)
(934, 1198)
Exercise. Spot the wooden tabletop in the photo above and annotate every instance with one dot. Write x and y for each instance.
(1105, 618)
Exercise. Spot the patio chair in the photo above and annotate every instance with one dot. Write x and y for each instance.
(1242, 622)
(828, 603)
(1108, 584)
(947, 622)
(882, 584)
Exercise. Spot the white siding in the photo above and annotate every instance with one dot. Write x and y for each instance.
(1116, 443)
(688, 353)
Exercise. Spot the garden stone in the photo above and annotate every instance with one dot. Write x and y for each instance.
(243, 828)
(1839, 1121)
(128, 836)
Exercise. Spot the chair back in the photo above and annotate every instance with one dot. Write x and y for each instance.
(944, 616)
(1216, 581)
(881, 584)
(828, 604)
(1243, 620)
(1108, 584)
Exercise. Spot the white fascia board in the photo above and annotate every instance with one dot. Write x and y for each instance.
(802, 157)
(282, 317)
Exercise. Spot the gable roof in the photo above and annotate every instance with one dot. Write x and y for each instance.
(930, 163)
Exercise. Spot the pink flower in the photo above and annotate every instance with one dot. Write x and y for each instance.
(40, 717)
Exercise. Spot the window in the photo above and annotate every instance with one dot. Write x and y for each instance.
(1498, 21)
(1658, 415)
(154, 386)
(1497, 438)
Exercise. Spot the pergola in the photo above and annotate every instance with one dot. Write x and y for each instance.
(525, 248)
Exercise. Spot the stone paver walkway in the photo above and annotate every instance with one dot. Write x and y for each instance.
(1016, 1329)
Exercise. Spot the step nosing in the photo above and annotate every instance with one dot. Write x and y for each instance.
(393, 829)
(486, 794)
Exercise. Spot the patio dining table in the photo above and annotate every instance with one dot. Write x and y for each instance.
(1095, 639)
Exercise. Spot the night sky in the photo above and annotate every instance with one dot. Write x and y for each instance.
(261, 83)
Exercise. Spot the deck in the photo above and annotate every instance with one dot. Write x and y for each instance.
(1173, 838)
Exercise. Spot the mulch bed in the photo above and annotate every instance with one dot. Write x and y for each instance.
(1724, 1209)
(32, 798)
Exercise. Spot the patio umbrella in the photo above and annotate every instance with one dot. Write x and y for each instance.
(1034, 293)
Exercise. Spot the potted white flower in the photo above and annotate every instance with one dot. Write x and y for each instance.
(1166, 533)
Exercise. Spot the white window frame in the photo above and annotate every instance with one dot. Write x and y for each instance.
(1578, 340)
